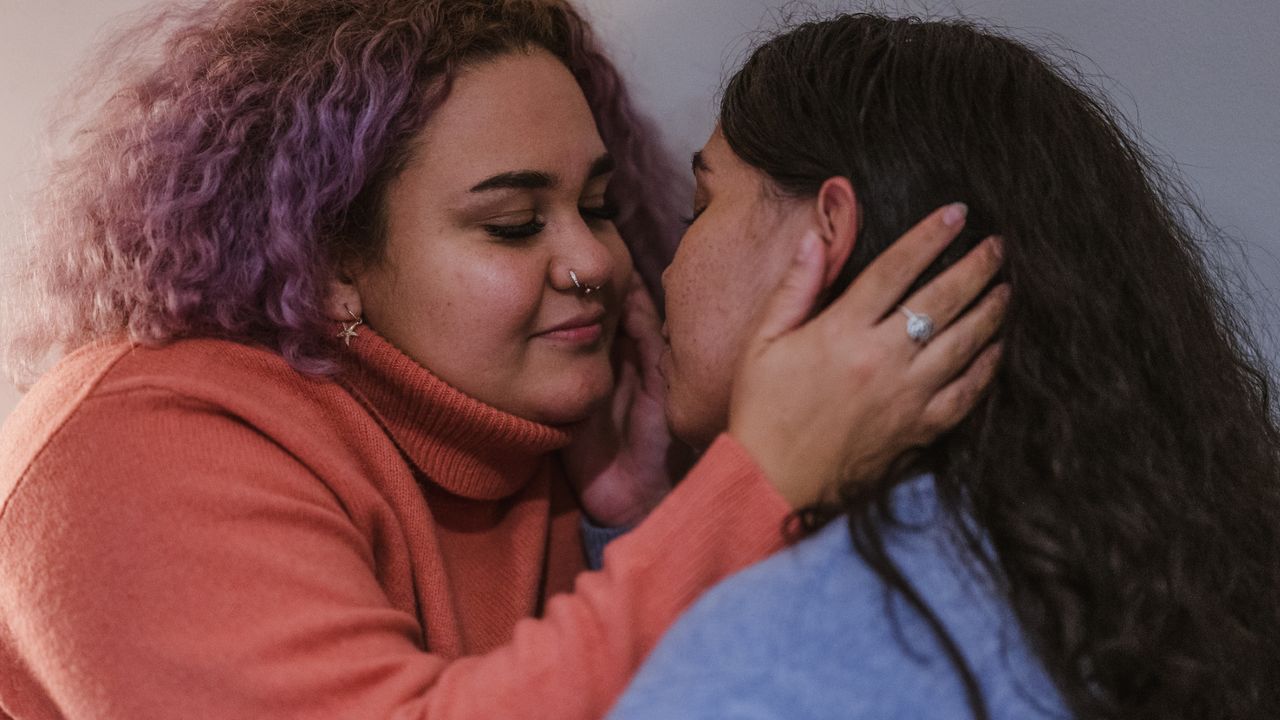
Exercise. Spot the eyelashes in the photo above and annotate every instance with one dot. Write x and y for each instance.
(516, 232)
(607, 212)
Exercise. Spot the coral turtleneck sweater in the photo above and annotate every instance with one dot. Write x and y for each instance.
(199, 531)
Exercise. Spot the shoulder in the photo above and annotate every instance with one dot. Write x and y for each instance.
(112, 418)
(227, 374)
(131, 454)
(758, 645)
(120, 379)
(815, 632)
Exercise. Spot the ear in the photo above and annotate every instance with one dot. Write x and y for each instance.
(343, 300)
(837, 210)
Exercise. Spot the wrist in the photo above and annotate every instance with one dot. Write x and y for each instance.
(778, 470)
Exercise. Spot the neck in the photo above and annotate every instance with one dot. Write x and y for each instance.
(457, 442)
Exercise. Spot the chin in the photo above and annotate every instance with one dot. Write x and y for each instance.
(575, 398)
(570, 413)
(691, 427)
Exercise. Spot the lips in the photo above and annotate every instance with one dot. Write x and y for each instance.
(581, 329)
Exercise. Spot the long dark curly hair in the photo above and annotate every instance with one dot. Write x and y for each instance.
(1123, 472)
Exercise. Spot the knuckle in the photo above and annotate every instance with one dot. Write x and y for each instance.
(936, 425)
(927, 428)
(991, 256)
(963, 399)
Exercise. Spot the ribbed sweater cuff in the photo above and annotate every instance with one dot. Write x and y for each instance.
(723, 517)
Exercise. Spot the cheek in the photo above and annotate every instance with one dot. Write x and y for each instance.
(495, 295)
(716, 288)
(713, 287)
(707, 313)
(459, 309)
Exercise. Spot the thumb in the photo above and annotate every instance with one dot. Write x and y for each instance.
(793, 300)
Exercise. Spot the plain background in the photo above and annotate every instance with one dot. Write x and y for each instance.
(1200, 79)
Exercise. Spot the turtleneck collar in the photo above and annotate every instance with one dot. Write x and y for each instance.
(461, 444)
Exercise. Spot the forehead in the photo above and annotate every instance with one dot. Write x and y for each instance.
(716, 166)
(522, 110)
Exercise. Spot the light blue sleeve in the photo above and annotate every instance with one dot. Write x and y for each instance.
(772, 642)
(813, 634)
(595, 539)
(716, 662)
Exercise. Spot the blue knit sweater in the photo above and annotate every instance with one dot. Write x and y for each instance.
(814, 633)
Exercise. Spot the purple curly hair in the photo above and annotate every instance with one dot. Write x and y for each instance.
(218, 189)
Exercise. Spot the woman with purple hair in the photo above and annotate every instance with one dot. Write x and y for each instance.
(357, 377)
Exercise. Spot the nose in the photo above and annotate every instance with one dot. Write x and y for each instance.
(583, 262)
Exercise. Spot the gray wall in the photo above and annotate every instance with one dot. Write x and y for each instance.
(41, 42)
(1201, 79)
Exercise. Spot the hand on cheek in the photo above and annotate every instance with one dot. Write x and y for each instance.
(620, 459)
(838, 398)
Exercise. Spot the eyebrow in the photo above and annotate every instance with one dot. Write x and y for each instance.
(700, 164)
(602, 166)
(516, 180)
(538, 180)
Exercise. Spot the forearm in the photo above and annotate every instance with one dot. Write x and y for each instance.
(298, 627)
(574, 661)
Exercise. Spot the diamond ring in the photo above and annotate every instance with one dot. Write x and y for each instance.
(919, 325)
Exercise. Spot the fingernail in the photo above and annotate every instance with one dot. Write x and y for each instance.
(955, 214)
(997, 247)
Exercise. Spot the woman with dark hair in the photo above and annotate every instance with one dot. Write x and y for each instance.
(1100, 537)
(359, 373)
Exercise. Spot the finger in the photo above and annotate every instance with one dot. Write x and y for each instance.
(641, 321)
(950, 352)
(627, 377)
(878, 288)
(947, 295)
(790, 304)
(957, 399)
(642, 325)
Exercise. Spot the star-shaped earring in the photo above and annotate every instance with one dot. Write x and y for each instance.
(349, 329)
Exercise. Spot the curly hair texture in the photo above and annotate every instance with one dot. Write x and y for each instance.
(233, 172)
(1121, 480)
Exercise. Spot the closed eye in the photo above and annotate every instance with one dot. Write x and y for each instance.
(607, 212)
(522, 231)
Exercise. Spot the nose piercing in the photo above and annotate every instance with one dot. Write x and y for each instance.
(586, 289)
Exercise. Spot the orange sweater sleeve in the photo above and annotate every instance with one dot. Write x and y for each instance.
(218, 584)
